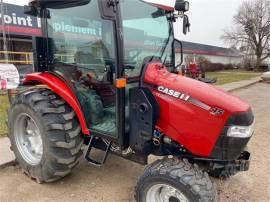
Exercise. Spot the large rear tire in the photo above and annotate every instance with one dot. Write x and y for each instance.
(45, 135)
(174, 180)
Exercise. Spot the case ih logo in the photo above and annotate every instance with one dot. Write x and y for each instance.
(213, 110)
(173, 93)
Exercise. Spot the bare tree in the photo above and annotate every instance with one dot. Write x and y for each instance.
(252, 29)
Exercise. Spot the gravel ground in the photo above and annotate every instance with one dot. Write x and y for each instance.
(115, 181)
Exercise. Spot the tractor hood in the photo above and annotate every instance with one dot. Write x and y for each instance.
(192, 113)
(195, 92)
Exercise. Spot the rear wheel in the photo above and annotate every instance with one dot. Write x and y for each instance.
(45, 135)
(174, 180)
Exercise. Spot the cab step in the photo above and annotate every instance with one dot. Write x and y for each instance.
(100, 145)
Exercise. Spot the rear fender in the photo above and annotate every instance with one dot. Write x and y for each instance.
(59, 87)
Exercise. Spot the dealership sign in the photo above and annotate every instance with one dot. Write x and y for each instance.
(9, 77)
(66, 27)
(16, 22)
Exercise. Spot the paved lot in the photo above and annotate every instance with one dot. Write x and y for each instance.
(115, 181)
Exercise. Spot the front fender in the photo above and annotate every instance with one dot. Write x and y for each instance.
(59, 87)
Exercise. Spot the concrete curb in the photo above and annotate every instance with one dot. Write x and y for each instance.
(7, 157)
(244, 86)
(8, 164)
(240, 84)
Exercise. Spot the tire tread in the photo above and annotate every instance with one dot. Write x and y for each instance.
(58, 118)
(181, 171)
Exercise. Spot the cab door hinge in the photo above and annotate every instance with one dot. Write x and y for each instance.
(113, 3)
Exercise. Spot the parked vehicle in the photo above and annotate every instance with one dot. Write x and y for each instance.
(100, 93)
(195, 71)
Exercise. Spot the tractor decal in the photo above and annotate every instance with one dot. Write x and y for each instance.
(200, 104)
(213, 110)
(217, 111)
(173, 93)
(182, 96)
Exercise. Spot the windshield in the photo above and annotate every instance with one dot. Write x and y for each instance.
(81, 37)
(147, 33)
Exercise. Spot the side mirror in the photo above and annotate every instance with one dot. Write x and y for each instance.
(178, 48)
(182, 6)
(186, 24)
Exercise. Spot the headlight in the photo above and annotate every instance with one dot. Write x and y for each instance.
(241, 131)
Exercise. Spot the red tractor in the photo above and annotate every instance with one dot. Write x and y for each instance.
(106, 77)
(195, 71)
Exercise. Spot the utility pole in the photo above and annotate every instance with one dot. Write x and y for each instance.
(4, 31)
(6, 58)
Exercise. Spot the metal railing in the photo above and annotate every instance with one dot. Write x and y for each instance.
(27, 57)
(16, 57)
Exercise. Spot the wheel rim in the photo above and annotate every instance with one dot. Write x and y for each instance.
(28, 139)
(165, 193)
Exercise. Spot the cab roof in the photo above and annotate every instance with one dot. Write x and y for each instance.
(167, 5)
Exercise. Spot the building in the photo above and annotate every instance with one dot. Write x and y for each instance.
(20, 29)
(213, 53)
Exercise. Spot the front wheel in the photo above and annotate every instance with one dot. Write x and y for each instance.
(174, 180)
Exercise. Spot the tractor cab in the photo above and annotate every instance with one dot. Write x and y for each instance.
(93, 48)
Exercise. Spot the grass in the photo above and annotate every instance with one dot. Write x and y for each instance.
(4, 104)
(224, 77)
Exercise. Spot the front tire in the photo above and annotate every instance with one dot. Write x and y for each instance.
(174, 180)
(45, 135)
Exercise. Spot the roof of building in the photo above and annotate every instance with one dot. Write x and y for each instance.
(202, 49)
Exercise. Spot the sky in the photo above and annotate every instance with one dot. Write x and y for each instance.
(208, 18)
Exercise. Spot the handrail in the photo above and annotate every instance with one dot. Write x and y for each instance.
(28, 59)
(28, 62)
(17, 53)
(26, 55)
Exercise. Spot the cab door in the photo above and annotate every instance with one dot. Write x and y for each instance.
(86, 52)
